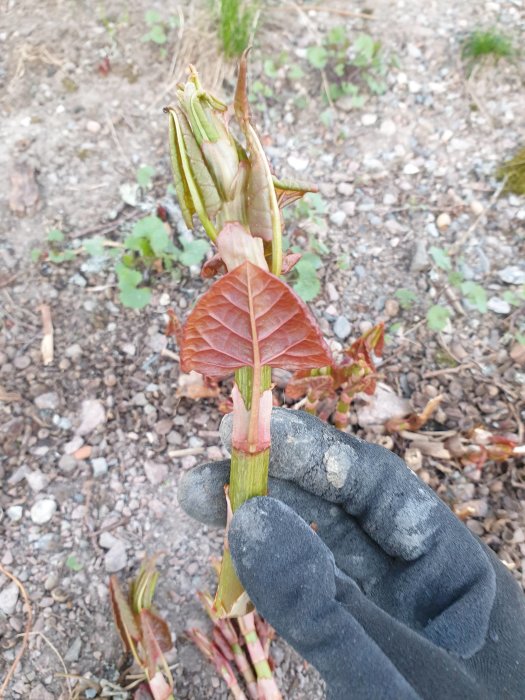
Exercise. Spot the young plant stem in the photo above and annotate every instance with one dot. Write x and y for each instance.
(260, 663)
(248, 478)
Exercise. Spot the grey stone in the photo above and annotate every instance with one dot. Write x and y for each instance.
(92, 415)
(22, 361)
(14, 513)
(42, 511)
(37, 480)
(116, 558)
(512, 274)
(74, 352)
(73, 653)
(67, 464)
(8, 598)
(156, 472)
(342, 327)
(499, 306)
(48, 401)
(100, 466)
(338, 218)
(421, 260)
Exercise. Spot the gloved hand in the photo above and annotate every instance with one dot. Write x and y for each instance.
(388, 594)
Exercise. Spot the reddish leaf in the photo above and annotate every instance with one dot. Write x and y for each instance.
(124, 619)
(156, 638)
(173, 327)
(315, 386)
(246, 313)
(213, 267)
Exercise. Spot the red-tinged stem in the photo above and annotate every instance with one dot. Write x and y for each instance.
(265, 679)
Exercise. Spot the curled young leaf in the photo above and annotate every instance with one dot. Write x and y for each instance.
(124, 618)
(247, 313)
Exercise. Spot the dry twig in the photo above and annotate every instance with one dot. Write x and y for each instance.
(27, 631)
(47, 330)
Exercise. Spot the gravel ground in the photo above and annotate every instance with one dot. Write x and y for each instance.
(90, 444)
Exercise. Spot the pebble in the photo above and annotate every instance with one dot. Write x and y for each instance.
(345, 188)
(42, 511)
(48, 401)
(51, 581)
(368, 119)
(298, 164)
(391, 308)
(476, 207)
(14, 513)
(421, 259)
(156, 472)
(92, 414)
(410, 169)
(512, 274)
(92, 126)
(67, 463)
(22, 361)
(163, 427)
(116, 558)
(99, 466)
(73, 653)
(388, 127)
(73, 445)
(9, 598)
(499, 306)
(37, 480)
(74, 352)
(338, 218)
(342, 327)
(443, 221)
(333, 294)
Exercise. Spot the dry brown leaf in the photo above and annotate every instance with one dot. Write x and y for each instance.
(431, 448)
(193, 386)
(9, 396)
(24, 196)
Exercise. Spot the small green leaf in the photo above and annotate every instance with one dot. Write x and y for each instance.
(127, 278)
(441, 258)
(150, 227)
(393, 329)
(135, 297)
(520, 337)
(327, 118)
(317, 56)
(194, 252)
(270, 68)
(63, 256)
(156, 34)
(336, 35)
(455, 278)
(145, 175)
(55, 236)
(152, 17)
(365, 48)
(307, 284)
(406, 297)
(35, 254)
(159, 240)
(95, 247)
(475, 294)
(295, 73)
(73, 563)
(437, 317)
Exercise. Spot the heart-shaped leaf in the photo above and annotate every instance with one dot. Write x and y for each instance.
(248, 314)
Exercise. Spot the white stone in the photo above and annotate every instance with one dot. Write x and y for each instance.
(92, 126)
(8, 598)
(47, 401)
(298, 164)
(43, 511)
(338, 218)
(37, 480)
(410, 169)
(99, 466)
(116, 558)
(512, 274)
(156, 472)
(92, 415)
(14, 513)
(499, 306)
(388, 127)
(368, 119)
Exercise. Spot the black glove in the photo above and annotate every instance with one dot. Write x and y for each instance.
(393, 597)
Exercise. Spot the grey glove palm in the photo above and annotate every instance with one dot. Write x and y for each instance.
(393, 597)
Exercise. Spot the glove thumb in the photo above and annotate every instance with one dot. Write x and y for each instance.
(290, 575)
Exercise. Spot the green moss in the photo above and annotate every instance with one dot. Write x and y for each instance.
(514, 171)
(480, 45)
